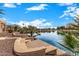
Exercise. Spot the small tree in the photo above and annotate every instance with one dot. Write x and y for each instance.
(71, 42)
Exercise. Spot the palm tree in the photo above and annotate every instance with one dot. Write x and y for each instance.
(9, 28)
(24, 30)
(16, 28)
(32, 30)
(76, 24)
(71, 38)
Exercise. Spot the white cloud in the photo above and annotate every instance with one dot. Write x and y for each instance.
(9, 5)
(39, 7)
(65, 4)
(70, 11)
(39, 23)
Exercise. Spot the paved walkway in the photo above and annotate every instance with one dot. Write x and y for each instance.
(6, 47)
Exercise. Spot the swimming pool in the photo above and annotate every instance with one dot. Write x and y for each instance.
(54, 39)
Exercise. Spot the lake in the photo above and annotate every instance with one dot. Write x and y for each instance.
(54, 39)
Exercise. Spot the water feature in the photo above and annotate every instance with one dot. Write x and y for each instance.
(54, 39)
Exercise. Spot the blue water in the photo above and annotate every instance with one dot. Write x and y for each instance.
(54, 39)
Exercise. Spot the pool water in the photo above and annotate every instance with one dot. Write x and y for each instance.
(54, 39)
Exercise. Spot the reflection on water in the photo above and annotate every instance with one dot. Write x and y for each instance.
(52, 35)
(54, 39)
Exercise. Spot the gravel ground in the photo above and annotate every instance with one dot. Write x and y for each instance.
(6, 47)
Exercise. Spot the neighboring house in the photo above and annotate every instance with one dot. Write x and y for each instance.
(2, 26)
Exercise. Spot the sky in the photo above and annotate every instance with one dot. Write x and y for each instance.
(41, 15)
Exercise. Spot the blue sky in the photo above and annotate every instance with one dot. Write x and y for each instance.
(40, 14)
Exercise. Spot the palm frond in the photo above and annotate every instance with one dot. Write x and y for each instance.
(76, 21)
(2, 11)
(75, 25)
